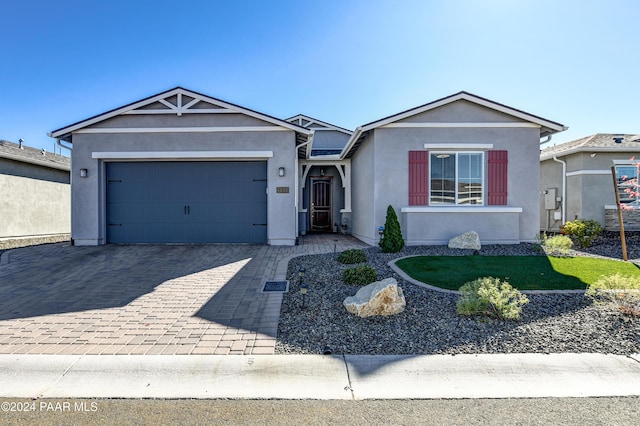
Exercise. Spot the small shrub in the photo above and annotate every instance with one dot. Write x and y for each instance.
(391, 241)
(583, 231)
(557, 245)
(491, 297)
(622, 291)
(352, 256)
(360, 275)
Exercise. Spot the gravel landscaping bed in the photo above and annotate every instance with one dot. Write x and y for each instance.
(550, 323)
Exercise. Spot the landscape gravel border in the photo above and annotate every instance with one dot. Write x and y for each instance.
(550, 323)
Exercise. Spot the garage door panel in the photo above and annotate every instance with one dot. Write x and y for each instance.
(156, 202)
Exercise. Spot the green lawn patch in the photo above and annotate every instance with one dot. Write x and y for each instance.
(522, 272)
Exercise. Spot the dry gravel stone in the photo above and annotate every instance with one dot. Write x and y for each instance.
(550, 323)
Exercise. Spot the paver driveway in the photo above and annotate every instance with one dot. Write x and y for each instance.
(145, 299)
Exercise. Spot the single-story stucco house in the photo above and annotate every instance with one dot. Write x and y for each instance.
(35, 193)
(577, 182)
(185, 167)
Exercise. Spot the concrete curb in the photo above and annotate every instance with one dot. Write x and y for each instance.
(319, 376)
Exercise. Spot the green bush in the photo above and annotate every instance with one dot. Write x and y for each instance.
(391, 241)
(360, 275)
(621, 290)
(557, 245)
(583, 231)
(491, 297)
(352, 256)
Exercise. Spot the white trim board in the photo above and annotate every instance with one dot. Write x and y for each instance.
(100, 130)
(588, 172)
(461, 125)
(180, 155)
(461, 209)
(179, 111)
(458, 146)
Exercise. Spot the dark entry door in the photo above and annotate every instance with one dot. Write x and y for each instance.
(321, 209)
(187, 202)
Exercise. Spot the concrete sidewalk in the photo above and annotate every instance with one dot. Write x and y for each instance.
(319, 376)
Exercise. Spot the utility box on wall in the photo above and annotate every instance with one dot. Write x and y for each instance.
(550, 195)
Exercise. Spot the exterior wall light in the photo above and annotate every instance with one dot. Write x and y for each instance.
(84, 173)
(281, 171)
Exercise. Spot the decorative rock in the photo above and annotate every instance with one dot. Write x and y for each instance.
(378, 298)
(468, 240)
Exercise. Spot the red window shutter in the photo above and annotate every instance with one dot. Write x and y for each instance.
(498, 177)
(418, 178)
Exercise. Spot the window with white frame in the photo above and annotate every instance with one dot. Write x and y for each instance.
(627, 176)
(456, 178)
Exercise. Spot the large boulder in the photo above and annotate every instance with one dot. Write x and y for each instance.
(468, 240)
(378, 298)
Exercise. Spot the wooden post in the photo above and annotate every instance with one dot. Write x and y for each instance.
(615, 190)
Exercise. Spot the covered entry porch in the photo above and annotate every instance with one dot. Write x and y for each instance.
(324, 197)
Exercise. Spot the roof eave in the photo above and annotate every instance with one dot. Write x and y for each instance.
(48, 164)
(549, 156)
(66, 133)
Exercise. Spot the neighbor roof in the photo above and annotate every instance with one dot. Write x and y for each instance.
(39, 157)
(547, 127)
(600, 142)
(65, 133)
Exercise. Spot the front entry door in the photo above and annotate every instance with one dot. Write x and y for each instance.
(321, 210)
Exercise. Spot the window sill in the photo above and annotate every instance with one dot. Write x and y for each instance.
(461, 209)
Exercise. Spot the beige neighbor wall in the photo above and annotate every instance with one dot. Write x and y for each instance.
(33, 207)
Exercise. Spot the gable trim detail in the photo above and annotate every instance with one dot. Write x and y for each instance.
(181, 129)
(179, 92)
(182, 155)
(460, 125)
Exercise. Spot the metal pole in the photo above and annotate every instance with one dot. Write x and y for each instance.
(615, 190)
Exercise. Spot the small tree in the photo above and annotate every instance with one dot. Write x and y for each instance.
(391, 240)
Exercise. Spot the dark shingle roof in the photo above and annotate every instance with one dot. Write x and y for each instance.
(12, 151)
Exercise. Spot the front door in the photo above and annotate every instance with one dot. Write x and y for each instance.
(321, 210)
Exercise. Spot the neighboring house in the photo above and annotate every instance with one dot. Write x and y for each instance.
(34, 192)
(461, 163)
(577, 182)
(185, 167)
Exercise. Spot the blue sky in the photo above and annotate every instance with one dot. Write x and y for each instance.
(345, 62)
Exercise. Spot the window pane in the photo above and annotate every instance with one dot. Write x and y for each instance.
(443, 177)
(469, 178)
(627, 183)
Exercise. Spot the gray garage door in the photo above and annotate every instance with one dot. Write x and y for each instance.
(187, 202)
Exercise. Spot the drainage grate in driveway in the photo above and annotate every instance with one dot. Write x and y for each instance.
(282, 286)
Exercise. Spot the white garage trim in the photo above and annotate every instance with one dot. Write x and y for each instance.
(461, 125)
(181, 155)
(99, 130)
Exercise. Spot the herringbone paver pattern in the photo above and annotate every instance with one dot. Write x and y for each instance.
(146, 299)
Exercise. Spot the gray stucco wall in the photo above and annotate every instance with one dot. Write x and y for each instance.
(363, 189)
(88, 198)
(388, 153)
(550, 178)
(329, 139)
(34, 200)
